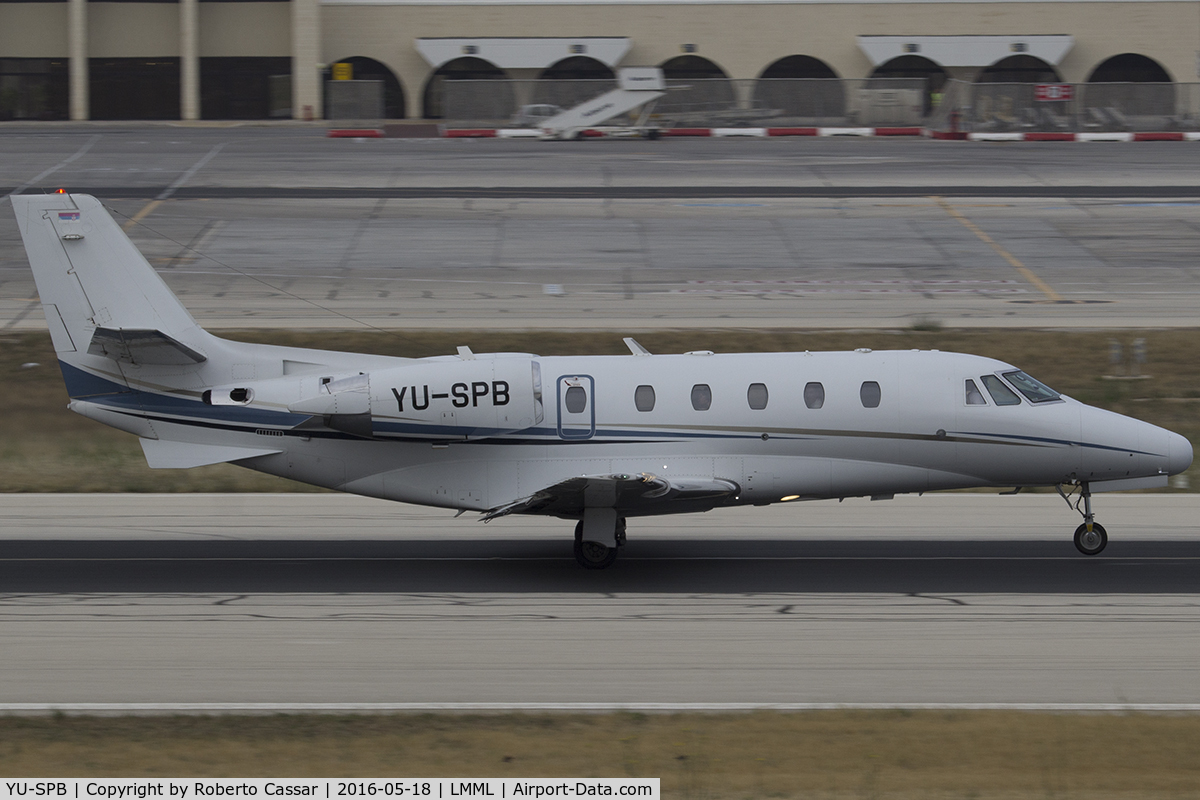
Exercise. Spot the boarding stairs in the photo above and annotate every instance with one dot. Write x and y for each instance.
(637, 88)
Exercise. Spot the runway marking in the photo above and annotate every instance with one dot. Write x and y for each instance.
(30, 306)
(166, 193)
(141, 215)
(186, 176)
(1026, 272)
(47, 173)
(375, 708)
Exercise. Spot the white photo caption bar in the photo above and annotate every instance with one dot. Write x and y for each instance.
(325, 788)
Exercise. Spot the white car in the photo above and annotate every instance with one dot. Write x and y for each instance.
(532, 116)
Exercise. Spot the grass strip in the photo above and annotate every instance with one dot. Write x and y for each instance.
(45, 448)
(821, 754)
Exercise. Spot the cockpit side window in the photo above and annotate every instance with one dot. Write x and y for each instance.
(1035, 390)
(974, 396)
(1001, 394)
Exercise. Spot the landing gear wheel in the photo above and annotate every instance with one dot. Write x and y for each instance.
(592, 555)
(1091, 543)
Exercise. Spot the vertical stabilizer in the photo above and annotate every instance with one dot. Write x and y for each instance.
(90, 275)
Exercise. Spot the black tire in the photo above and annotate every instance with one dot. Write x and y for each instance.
(592, 555)
(1091, 544)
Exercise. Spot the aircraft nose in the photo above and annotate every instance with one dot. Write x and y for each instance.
(1180, 454)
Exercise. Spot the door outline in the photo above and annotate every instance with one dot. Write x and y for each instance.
(589, 385)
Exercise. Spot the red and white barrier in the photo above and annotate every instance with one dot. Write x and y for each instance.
(1034, 136)
(530, 133)
(355, 133)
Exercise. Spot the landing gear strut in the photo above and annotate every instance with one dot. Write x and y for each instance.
(1090, 537)
(597, 555)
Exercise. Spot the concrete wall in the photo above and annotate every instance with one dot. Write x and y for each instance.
(133, 30)
(33, 30)
(744, 38)
(245, 29)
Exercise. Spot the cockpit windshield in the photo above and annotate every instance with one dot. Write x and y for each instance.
(1001, 394)
(1034, 390)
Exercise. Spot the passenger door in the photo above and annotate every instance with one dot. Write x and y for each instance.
(576, 407)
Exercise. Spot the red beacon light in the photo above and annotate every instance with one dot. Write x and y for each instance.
(60, 191)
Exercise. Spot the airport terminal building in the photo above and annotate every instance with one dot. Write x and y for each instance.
(258, 59)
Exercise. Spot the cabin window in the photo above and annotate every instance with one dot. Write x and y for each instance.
(1001, 394)
(974, 396)
(643, 398)
(814, 395)
(869, 394)
(756, 396)
(701, 397)
(575, 399)
(1035, 390)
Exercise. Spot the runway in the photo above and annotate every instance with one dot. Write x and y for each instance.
(279, 227)
(324, 598)
(318, 598)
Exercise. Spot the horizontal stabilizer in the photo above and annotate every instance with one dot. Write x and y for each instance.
(161, 454)
(139, 346)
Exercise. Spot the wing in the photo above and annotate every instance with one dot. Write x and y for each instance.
(642, 494)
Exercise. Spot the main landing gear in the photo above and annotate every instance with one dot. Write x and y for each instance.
(593, 554)
(1090, 537)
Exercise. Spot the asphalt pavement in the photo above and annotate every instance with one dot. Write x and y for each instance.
(281, 227)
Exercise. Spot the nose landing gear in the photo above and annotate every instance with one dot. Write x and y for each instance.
(1090, 542)
(1090, 537)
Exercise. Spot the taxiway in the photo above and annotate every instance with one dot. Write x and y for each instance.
(279, 227)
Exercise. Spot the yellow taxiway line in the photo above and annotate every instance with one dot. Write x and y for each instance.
(1026, 272)
(141, 215)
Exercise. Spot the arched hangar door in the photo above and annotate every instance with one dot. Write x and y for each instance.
(573, 80)
(1006, 94)
(801, 90)
(1129, 68)
(476, 101)
(709, 93)
(913, 68)
(368, 69)
(1019, 69)
(1130, 91)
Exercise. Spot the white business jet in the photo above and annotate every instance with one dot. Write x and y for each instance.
(597, 439)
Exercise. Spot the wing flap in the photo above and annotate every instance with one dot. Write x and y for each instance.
(161, 454)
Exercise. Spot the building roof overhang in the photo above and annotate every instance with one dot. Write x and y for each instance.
(966, 51)
(524, 52)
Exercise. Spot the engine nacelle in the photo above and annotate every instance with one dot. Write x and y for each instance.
(438, 399)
